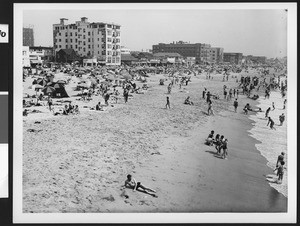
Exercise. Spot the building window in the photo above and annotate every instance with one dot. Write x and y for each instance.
(89, 46)
(71, 40)
(98, 39)
(83, 49)
(59, 40)
(71, 46)
(59, 46)
(84, 43)
(83, 36)
(109, 39)
(66, 40)
(98, 52)
(108, 59)
(89, 40)
(70, 33)
(75, 33)
(83, 30)
(66, 46)
(89, 33)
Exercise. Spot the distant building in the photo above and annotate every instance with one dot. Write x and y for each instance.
(101, 40)
(174, 58)
(125, 50)
(46, 53)
(128, 59)
(67, 56)
(200, 51)
(25, 57)
(233, 58)
(256, 59)
(90, 62)
(190, 61)
(216, 54)
(28, 38)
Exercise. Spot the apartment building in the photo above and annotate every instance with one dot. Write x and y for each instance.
(233, 58)
(200, 51)
(216, 54)
(89, 40)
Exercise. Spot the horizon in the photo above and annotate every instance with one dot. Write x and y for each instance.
(250, 32)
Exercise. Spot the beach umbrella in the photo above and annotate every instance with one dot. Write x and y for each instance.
(61, 81)
(111, 76)
(126, 76)
(48, 90)
(37, 87)
(41, 81)
(58, 86)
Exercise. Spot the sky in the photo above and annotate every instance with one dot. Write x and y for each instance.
(259, 32)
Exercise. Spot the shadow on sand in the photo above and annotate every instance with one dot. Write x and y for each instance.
(214, 154)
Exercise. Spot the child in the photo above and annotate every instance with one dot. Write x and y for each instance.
(224, 147)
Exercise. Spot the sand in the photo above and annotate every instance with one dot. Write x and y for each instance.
(78, 163)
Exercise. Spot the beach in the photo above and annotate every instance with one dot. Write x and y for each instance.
(78, 163)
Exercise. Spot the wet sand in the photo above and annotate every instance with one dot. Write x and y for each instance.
(78, 163)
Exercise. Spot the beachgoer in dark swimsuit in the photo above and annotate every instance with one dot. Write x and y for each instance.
(131, 183)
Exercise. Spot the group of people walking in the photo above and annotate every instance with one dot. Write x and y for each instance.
(220, 142)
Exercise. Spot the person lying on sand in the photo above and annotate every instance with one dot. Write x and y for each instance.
(131, 183)
(256, 110)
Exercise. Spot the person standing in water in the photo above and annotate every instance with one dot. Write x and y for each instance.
(267, 112)
(273, 105)
(271, 122)
(281, 118)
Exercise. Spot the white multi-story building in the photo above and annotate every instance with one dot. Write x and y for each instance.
(25, 56)
(101, 40)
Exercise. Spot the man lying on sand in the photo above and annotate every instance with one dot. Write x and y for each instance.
(131, 183)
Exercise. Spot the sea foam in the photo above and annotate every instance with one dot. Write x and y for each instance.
(273, 142)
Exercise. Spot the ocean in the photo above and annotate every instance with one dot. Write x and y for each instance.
(273, 142)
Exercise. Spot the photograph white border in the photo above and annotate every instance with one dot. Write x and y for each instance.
(289, 217)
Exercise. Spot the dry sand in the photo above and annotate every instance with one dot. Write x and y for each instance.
(78, 163)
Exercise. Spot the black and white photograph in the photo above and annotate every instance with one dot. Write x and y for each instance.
(154, 109)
